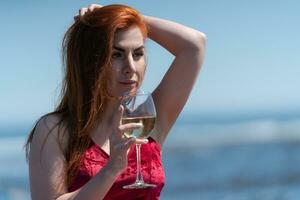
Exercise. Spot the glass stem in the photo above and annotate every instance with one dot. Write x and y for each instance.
(139, 177)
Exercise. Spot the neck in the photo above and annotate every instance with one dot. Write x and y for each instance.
(110, 109)
(105, 122)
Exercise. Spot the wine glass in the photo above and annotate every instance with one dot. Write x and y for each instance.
(139, 108)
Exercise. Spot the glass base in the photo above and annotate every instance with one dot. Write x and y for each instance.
(139, 185)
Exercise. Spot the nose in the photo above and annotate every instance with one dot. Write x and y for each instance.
(129, 67)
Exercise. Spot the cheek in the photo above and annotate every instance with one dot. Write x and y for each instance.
(111, 78)
(142, 71)
(116, 66)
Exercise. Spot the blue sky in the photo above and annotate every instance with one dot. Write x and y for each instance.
(252, 60)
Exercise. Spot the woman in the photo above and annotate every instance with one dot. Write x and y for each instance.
(77, 151)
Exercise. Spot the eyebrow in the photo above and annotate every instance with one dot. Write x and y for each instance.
(123, 50)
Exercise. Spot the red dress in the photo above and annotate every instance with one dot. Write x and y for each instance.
(152, 170)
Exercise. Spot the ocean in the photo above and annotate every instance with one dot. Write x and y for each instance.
(251, 159)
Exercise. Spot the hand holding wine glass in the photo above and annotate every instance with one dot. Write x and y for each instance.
(139, 108)
(119, 145)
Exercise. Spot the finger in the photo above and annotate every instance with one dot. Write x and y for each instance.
(125, 128)
(141, 141)
(119, 115)
(96, 5)
(82, 11)
(129, 142)
(93, 6)
(76, 17)
(130, 127)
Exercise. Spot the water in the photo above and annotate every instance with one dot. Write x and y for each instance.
(257, 159)
(14, 183)
(248, 171)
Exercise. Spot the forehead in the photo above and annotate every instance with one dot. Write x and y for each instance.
(129, 38)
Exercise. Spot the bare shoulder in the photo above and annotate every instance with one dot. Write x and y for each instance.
(49, 122)
(49, 129)
(46, 160)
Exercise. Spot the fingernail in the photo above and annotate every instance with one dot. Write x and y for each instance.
(143, 141)
(146, 141)
(139, 125)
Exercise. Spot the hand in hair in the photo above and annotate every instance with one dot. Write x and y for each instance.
(83, 11)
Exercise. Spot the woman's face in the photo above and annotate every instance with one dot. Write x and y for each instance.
(128, 62)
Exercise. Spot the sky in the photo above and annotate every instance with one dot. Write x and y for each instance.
(252, 58)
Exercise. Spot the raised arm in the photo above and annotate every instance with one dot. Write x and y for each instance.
(188, 47)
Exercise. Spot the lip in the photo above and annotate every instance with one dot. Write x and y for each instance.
(128, 82)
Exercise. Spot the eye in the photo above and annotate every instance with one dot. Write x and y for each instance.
(138, 54)
(117, 54)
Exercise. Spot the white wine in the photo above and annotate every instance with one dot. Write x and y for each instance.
(141, 133)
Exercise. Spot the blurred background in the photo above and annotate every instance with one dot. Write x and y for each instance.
(238, 136)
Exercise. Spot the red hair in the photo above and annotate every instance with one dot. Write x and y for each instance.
(87, 48)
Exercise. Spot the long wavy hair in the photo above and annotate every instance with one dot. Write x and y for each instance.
(86, 54)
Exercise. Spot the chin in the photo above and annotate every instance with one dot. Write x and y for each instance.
(119, 94)
(129, 91)
(119, 91)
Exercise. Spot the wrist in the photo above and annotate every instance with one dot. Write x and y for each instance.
(146, 19)
(113, 169)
